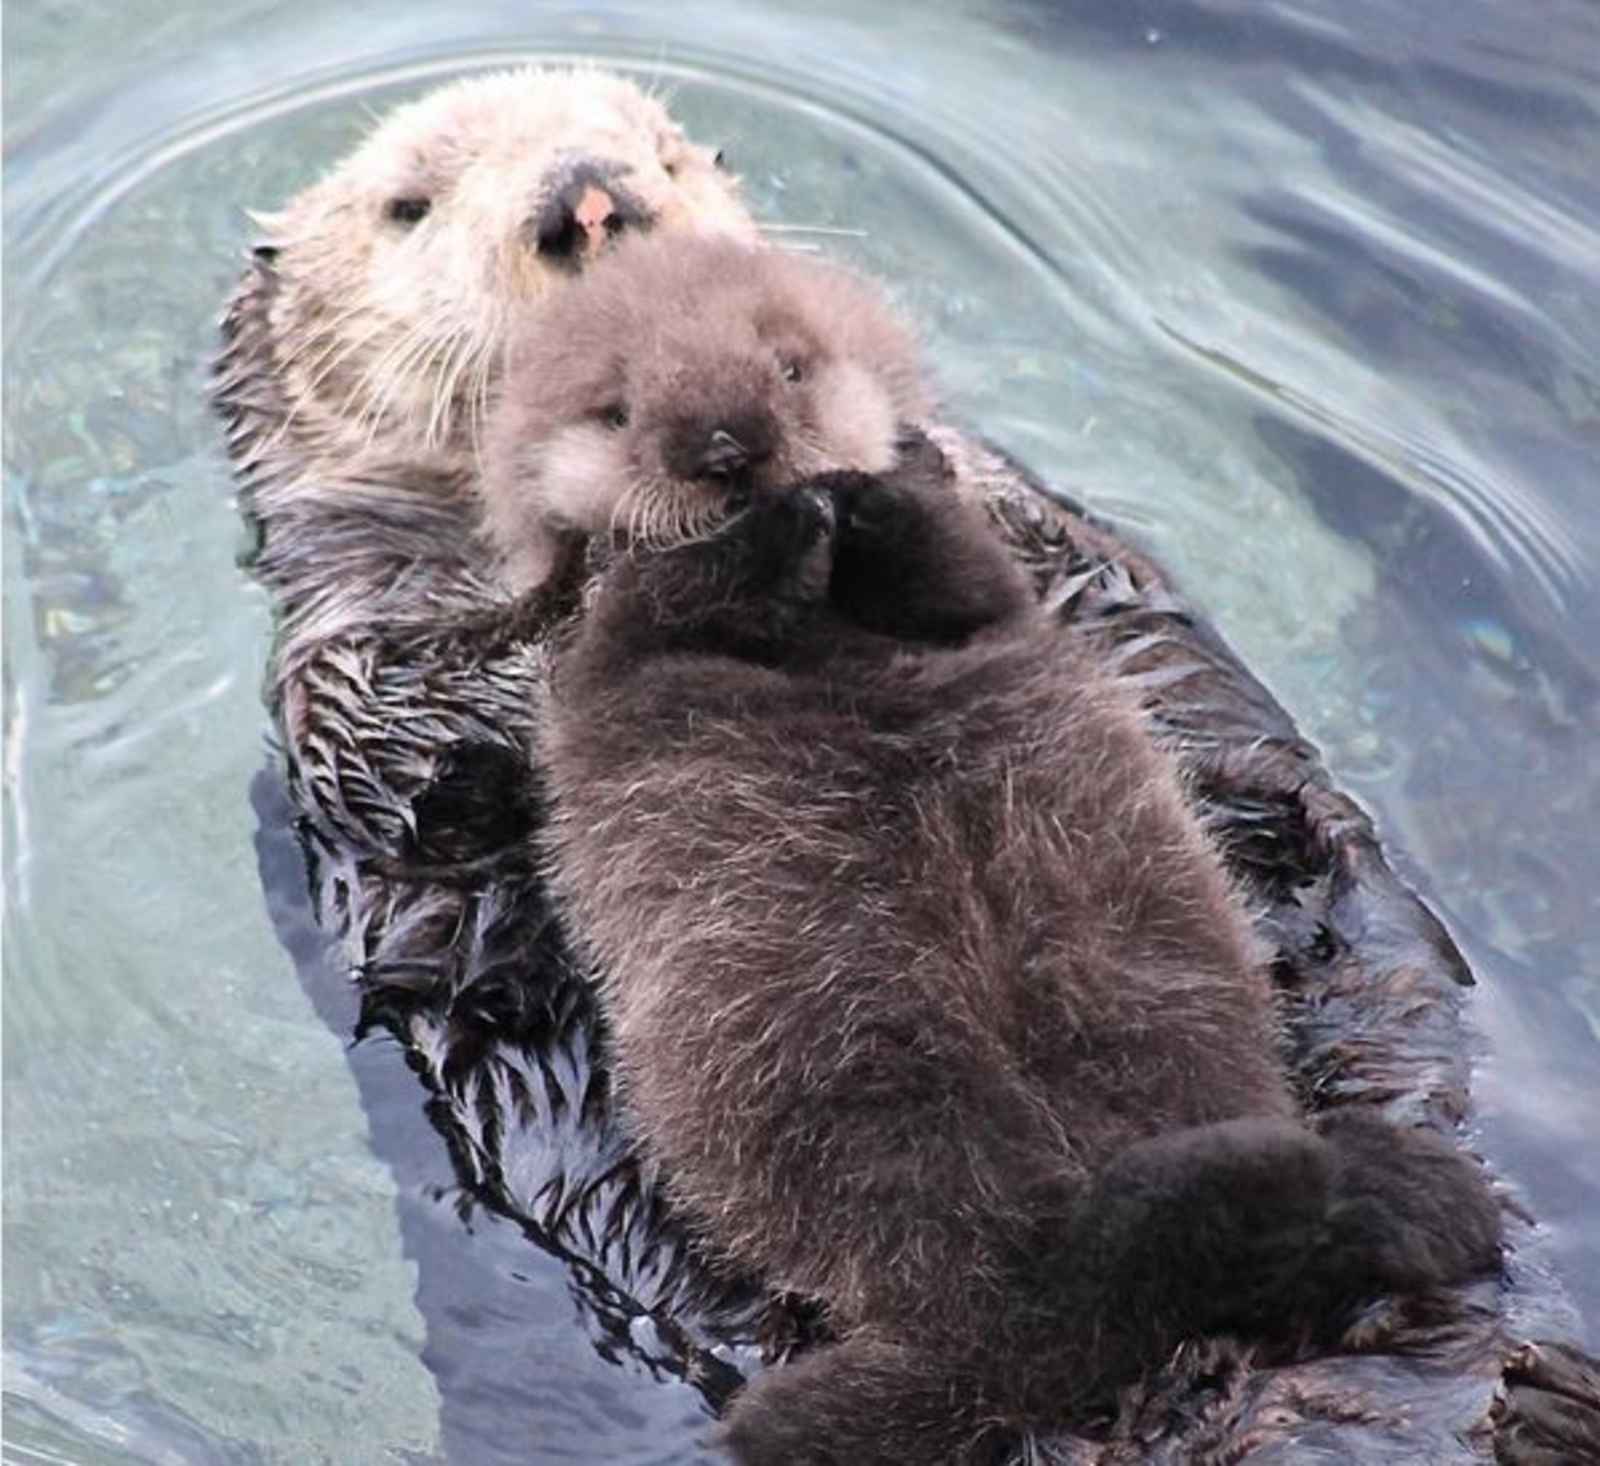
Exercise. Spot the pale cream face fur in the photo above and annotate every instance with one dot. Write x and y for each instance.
(400, 271)
(621, 384)
(597, 479)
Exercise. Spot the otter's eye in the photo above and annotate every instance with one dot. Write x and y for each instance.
(408, 211)
(791, 370)
(669, 166)
(614, 416)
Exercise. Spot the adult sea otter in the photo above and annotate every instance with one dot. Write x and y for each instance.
(359, 350)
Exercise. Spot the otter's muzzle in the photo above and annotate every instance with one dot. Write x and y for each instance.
(584, 212)
(719, 447)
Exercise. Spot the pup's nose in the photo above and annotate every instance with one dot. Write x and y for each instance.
(582, 215)
(721, 446)
(723, 456)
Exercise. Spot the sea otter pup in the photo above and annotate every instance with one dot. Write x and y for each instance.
(931, 996)
(924, 982)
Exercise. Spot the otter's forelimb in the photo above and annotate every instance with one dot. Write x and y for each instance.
(915, 561)
(897, 556)
(750, 592)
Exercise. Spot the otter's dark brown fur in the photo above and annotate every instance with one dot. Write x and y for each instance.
(930, 994)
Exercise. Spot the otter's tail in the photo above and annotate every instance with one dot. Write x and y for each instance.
(865, 1402)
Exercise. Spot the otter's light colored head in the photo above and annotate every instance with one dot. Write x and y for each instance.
(678, 375)
(399, 272)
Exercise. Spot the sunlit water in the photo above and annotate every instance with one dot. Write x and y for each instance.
(1307, 297)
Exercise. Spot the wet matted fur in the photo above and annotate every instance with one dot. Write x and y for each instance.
(404, 687)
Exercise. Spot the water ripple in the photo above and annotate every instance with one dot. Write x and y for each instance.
(1517, 532)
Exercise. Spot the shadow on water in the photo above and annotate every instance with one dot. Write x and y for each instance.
(1306, 298)
(483, 1283)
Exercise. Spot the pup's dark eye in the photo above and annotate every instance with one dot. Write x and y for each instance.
(719, 159)
(669, 166)
(409, 210)
(791, 370)
(614, 416)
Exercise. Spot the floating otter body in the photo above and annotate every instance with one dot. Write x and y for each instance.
(401, 688)
(926, 986)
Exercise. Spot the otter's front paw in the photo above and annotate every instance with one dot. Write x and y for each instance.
(889, 505)
(788, 522)
(745, 592)
(782, 542)
(868, 508)
(913, 560)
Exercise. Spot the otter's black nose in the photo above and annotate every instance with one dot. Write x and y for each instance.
(723, 457)
(584, 210)
(728, 447)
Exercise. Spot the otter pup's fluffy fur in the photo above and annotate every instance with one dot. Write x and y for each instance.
(680, 373)
(925, 984)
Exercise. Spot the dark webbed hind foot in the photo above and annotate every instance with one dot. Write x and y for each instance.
(913, 559)
(1548, 1408)
(1204, 1230)
(1407, 1210)
(1267, 1229)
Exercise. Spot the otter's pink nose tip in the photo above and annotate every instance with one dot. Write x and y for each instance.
(597, 216)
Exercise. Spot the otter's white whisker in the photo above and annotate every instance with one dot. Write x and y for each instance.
(399, 366)
(448, 380)
(835, 229)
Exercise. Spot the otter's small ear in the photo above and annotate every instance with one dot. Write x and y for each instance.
(265, 249)
(914, 449)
